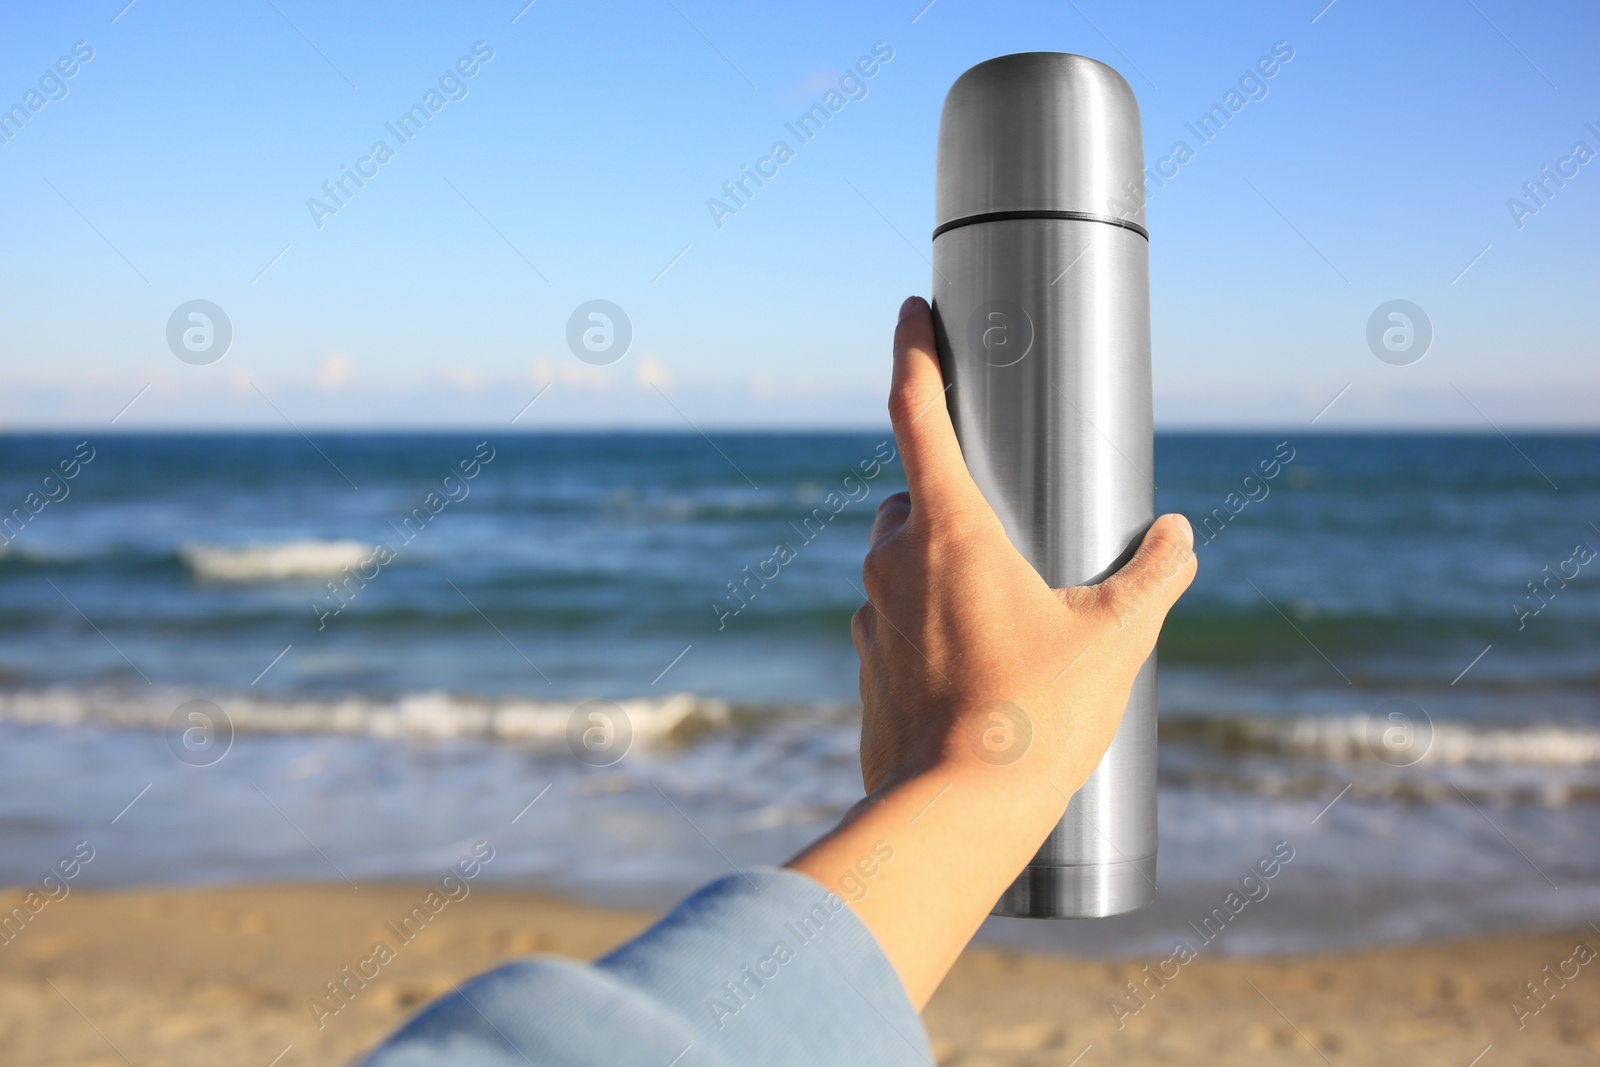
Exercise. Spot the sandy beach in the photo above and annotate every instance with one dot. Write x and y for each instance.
(231, 975)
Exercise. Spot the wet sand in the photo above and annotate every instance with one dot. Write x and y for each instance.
(218, 976)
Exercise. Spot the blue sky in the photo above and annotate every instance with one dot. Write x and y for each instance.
(579, 161)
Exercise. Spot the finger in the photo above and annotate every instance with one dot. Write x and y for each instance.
(892, 515)
(1150, 583)
(929, 451)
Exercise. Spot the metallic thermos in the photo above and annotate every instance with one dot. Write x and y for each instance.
(1042, 312)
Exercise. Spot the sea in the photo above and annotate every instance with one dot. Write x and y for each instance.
(345, 657)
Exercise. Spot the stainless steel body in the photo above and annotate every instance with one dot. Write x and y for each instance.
(1041, 306)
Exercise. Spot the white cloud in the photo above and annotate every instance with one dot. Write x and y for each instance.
(336, 369)
(462, 378)
(571, 373)
(649, 371)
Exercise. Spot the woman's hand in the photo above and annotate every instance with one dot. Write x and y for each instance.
(988, 697)
(964, 649)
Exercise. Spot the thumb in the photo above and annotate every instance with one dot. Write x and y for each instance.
(936, 473)
(1147, 586)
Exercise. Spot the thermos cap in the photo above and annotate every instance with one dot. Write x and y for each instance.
(1040, 134)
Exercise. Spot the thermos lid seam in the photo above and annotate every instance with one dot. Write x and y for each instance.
(1040, 213)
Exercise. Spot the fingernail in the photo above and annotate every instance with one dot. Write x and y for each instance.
(1183, 524)
(909, 306)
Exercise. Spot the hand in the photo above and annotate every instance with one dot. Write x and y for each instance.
(958, 626)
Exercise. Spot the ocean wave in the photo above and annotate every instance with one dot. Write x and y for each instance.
(413, 716)
(271, 562)
(1501, 787)
(1308, 757)
(1354, 738)
(685, 716)
(39, 554)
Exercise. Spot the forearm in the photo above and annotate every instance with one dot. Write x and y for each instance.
(957, 834)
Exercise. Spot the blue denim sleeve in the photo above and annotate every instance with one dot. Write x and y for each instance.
(763, 968)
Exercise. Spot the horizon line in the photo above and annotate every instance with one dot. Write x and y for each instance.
(1375, 429)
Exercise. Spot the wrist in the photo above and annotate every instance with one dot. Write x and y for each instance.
(993, 818)
(922, 861)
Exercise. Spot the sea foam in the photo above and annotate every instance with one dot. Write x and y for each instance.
(412, 716)
(271, 562)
